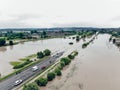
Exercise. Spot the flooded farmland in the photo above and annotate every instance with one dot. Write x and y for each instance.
(96, 67)
(14, 53)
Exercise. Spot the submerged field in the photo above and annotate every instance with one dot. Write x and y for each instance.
(95, 68)
(10, 54)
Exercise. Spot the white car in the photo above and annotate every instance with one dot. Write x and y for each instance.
(34, 68)
(18, 82)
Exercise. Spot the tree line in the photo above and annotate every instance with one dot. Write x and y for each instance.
(52, 74)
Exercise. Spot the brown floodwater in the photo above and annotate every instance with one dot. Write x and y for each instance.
(97, 67)
(14, 53)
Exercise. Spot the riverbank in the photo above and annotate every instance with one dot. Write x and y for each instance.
(95, 68)
(21, 69)
(28, 48)
(18, 41)
(53, 67)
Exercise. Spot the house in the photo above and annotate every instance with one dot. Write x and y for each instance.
(35, 36)
(117, 40)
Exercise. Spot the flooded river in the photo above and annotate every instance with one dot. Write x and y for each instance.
(97, 67)
(14, 53)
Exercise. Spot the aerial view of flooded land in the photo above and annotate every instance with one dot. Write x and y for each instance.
(83, 59)
(59, 45)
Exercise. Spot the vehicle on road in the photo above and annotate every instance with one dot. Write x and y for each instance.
(27, 73)
(34, 68)
(43, 67)
(18, 82)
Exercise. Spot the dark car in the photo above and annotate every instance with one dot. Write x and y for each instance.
(43, 67)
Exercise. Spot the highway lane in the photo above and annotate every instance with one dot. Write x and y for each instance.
(9, 84)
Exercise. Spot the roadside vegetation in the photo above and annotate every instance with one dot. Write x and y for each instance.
(27, 60)
(41, 81)
(25, 63)
(84, 45)
(31, 86)
(14, 63)
(57, 71)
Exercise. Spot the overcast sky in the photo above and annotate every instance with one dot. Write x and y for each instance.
(59, 13)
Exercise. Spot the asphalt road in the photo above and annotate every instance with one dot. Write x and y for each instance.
(9, 83)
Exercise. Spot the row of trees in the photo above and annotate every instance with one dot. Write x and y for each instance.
(3, 42)
(85, 34)
(41, 54)
(51, 75)
(22, 64)
(31, 86)
(24, 35)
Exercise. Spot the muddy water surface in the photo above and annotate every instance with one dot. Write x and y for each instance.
(14, 53)
(97, 67)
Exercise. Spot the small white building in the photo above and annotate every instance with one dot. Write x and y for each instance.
(35, 36)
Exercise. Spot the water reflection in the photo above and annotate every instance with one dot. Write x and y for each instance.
(11, 47)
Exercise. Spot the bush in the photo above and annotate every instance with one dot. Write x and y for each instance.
(22, 64)
(62, 64)
(85, 45)
(40, 55)
(31, 86)
(58, 72)
(65, 60)
(2, 41)
(47, 52)
(74, 53)
(50, 76)
(70, 43)
(71, 56)
(41, 81)
(114, 40)
(77, 38)
(10, 42)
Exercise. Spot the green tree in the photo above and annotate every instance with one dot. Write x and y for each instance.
(62, 64)
(44, 34)
(77, 38)
(75, 53)
(50, 76)
(47, 52)
(2, 41)
(41, 81)
(114, 40)
(40, 55)
(71, 56)
(58, 72)
(31, 86)
(65, 60)
(11, 42)
(33, 31)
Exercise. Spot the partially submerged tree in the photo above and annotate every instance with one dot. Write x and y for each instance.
(31, 86)
(41, 81)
